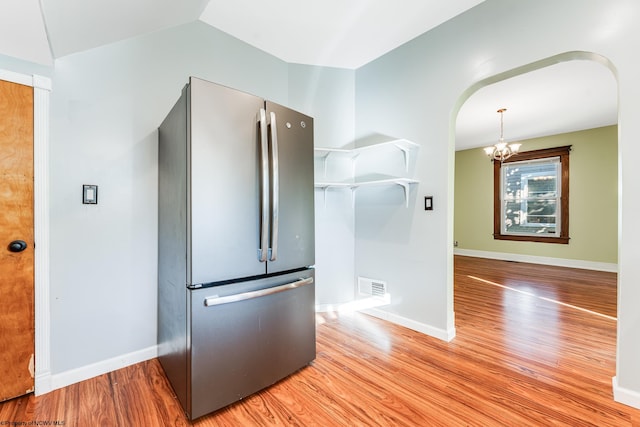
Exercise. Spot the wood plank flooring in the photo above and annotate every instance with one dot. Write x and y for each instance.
(535, 346)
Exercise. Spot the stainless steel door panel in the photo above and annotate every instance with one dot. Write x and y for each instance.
(240, 347)
(225, 183)
(294, 197)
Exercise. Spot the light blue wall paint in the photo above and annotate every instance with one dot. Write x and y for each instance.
(24, 67)
(401, 95)
(415, 91)
(327, 94)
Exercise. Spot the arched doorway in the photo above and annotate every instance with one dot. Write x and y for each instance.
(468, 242)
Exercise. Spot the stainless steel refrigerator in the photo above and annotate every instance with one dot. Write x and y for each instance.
(236, 245)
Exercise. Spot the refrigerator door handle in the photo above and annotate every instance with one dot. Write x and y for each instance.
(264, 182)
(275, 187)
(216, 300)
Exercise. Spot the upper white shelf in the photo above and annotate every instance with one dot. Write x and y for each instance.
(403, 145)
(353, 185)
(402, 182)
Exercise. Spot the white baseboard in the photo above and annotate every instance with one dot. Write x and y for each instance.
(441, 334)
(48, 383)
(324, 308)
(42, 383)
(356, 305)
(560, 262)
(371, 306)
(625, 396)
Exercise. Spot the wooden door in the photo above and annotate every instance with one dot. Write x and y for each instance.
(16, 224)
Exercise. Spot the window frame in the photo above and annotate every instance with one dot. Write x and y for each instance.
(520, 163)
(563, 154)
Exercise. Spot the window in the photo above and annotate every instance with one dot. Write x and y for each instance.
(531, 196)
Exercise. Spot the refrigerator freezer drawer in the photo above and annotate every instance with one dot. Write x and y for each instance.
(242, 343)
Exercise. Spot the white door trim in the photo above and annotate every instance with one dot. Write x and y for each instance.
(41, 93)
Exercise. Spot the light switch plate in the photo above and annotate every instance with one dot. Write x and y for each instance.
(90, 194)
(428, 203)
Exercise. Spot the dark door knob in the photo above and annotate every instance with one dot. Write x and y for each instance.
(17, 246)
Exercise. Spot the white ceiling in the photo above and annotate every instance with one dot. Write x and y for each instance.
(336, 33)
(564, 97)
(22, 31)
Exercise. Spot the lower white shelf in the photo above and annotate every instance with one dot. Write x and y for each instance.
(405, 183)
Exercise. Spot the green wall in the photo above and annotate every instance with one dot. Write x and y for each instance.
(593, 199)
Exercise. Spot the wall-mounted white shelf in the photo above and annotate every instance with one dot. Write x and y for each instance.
(404, 146)
(405, 183)
(378, 182)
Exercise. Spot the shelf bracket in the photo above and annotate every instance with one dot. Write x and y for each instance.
(324, 189)
(405, 152)
(405, 187)
(324, 165)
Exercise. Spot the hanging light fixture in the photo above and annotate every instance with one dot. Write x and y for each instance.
(502, 151)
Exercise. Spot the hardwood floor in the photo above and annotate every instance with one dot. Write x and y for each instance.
(535, 346)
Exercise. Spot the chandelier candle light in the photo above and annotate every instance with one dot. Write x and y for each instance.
(502, 151)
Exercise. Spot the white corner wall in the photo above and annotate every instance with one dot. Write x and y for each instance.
(327, 94)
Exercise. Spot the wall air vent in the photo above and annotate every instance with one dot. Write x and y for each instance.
(372, 287)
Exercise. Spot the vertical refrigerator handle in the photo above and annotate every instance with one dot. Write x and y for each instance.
(264, 182)
(275, 184)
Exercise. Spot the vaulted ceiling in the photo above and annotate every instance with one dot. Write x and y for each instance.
(335, 33)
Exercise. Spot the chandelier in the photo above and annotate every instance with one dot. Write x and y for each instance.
(502, 151)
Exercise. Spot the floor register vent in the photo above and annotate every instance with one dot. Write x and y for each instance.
(372, 287)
